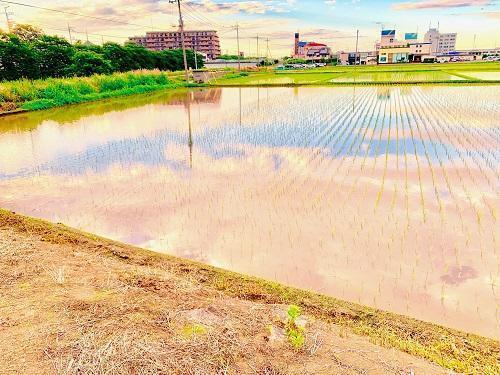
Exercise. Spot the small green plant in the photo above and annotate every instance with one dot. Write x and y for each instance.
(190, 331)
(294, 332)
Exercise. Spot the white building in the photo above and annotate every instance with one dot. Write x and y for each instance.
(441, 42)
(388, 38)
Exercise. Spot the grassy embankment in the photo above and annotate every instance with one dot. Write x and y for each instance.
(451, 73)
(101, 311)
(42, 94)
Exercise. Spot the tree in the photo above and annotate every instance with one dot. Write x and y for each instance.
(17, 60)
(140, 57)
(86, 63)
(54, 55)
(170, 60)
(27, 33)
(119, 56)
(191, 62)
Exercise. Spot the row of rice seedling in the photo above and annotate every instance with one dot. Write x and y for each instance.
(461, 146)
(349, 125)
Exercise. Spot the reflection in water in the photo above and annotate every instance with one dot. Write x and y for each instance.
(383, 196)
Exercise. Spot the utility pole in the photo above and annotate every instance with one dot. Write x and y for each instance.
(356, 55)
(69, 32)
(195, 55)
(238, 42)
(9, 21)
(87, 34)
(257, 49)
(474, 47)
(267, 48)
(183, 43)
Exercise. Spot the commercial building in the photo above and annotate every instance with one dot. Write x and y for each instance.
(359, 58)
(205, 42)
(394, 55)
(420, 52)
(441, 42)
(310, 51)
(387, 39)
(393, 51)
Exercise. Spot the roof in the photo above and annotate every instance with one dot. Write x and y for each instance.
(314, 44)
(388, 32)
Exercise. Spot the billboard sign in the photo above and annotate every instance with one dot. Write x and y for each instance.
(411, 36)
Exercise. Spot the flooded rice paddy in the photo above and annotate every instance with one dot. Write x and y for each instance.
(404, 76)
(386, 196)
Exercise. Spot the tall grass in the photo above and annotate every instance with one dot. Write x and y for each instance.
(53, 92)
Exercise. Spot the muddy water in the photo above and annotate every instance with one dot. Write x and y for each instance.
(382, 196)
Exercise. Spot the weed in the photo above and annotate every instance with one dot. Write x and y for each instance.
(190, 331)
(53, 92)
(294, 332)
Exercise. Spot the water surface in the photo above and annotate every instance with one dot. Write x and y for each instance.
(377, 195)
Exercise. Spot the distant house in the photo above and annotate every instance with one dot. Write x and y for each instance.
(311, 51)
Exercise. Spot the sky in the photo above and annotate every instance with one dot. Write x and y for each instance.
(333, 22)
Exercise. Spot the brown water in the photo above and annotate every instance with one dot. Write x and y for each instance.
(382, 196)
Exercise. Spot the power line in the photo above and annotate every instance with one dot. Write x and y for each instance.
(204, 17)
(75, 14)
(51, 27)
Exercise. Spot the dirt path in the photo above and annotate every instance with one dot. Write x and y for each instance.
(66, 308)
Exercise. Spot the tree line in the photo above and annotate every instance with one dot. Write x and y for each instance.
(27, 52)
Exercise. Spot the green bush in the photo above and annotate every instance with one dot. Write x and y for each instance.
(87, 63)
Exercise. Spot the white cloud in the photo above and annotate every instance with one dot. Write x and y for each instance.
(430, 4)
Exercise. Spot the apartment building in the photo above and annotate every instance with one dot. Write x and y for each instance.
(441, 43)
(201, 41)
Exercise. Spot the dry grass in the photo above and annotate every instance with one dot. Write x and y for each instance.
(75, 303)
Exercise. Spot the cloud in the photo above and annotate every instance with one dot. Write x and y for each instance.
(432, 4)
(493, 15)
(248, 7)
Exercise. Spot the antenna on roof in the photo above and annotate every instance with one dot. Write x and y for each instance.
(438, 25)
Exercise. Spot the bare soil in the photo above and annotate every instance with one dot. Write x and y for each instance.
(74, 303)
